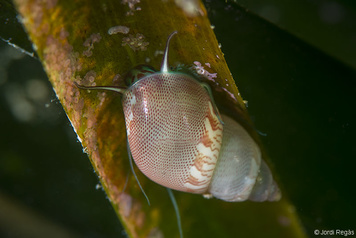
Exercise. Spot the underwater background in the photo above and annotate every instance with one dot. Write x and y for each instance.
(295, 65)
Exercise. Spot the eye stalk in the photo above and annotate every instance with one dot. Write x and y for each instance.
(164, 64)
(120, 90)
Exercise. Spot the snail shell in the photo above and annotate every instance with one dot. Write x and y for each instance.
(173, 132)
(179, 140)
(240, 173)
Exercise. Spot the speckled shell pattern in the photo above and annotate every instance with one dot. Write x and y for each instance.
(173, 132)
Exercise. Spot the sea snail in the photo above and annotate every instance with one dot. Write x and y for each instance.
(179, 140)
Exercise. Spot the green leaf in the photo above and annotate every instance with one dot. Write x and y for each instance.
(65, 34)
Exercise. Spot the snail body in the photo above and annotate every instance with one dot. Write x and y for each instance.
(179, 140)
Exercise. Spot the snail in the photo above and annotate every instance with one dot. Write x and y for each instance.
(178, 138)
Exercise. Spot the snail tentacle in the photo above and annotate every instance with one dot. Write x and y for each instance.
(165, 65)
(108, 88)
(176, 209)
(133, 171)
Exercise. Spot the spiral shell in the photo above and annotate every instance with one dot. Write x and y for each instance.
(240, 173)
